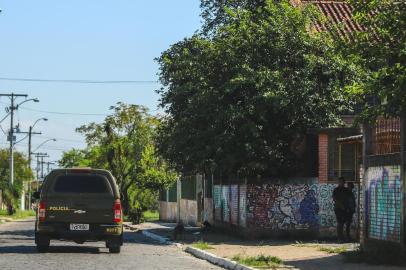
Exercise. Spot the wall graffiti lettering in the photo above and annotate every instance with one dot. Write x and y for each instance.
(383, 203)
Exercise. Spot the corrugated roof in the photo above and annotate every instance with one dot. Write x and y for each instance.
(351, 139)
(338, 13)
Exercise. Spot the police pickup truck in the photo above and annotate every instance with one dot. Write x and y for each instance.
(79, 205)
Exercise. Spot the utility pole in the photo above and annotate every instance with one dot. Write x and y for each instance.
(40, 164)
(49, 166)
(11, 137)
(12, 97)
(42, 167)
(29, 134)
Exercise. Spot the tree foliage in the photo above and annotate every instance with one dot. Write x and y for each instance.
(240, 98)
(124, 144)
(22, 173)
(382, 51)
(215, 13)
(73, 158)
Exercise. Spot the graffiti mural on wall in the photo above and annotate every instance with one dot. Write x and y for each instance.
(327, 216)
(217, 198)
(383, 200)
(283, 207)
(228, 205)
(291, 206)
(278, 206)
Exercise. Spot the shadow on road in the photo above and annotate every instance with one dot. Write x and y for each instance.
(27, 233)
(20, 249)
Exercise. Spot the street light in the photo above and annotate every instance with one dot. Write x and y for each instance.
(29, 137)
(39, 146)
(29, 154)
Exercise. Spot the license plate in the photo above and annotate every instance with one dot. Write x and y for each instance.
(79, 227)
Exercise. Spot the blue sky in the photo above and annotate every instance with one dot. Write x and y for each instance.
(85, 40)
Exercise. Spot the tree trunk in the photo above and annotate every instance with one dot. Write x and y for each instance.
(10, 209)
(125, 202)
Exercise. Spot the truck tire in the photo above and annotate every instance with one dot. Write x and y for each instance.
(114, 248)
(43, 243)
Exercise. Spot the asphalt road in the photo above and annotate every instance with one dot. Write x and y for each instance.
(17, 251)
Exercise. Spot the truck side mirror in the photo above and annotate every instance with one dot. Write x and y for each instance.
(36, 195)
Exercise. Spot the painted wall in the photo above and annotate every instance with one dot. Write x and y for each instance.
(283, 207)
(293, 207)
(168, 211)
(230, 204)
(188, 212)
(383, 200)
(208, 210)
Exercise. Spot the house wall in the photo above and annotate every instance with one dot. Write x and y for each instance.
(168, 211)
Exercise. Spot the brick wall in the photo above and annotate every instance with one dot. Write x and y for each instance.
(323, 158)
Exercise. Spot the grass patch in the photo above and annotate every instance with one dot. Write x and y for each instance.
(150, 216)
(333, 250)
(202, 245)
(18, 215)
(260, 261)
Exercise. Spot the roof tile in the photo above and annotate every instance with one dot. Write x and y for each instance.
(339, 15)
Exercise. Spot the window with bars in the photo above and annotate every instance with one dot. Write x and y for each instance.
(385, 137)
(344, 154)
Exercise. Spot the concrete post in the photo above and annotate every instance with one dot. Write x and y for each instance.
(366, 148)
(178, 199)
(403, 179)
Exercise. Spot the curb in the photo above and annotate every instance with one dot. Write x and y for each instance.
(225, 263)
(158, 238)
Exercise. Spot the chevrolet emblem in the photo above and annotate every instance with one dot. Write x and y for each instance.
(79, 212)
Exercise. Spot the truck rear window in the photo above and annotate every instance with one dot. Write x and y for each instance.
(82, 184)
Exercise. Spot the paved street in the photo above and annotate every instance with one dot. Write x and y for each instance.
(17, 251)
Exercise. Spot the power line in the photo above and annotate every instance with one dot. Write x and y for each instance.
(79, 81)
(64, 113)
(51, 148)
(62, 139)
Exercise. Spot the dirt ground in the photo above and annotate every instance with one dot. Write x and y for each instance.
(296, 255)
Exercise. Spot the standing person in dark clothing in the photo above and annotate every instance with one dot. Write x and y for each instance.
(350, 209)
(340, 198)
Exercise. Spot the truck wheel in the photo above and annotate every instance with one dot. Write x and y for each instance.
(43, 243)
(114, 248)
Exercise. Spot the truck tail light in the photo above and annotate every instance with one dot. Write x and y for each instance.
(41, 211)
(117, 211)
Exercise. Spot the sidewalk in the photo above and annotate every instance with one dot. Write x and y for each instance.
(302, 256)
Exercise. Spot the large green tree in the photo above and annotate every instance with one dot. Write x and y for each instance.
(124, 144)
(381, 49)
(240, 98)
